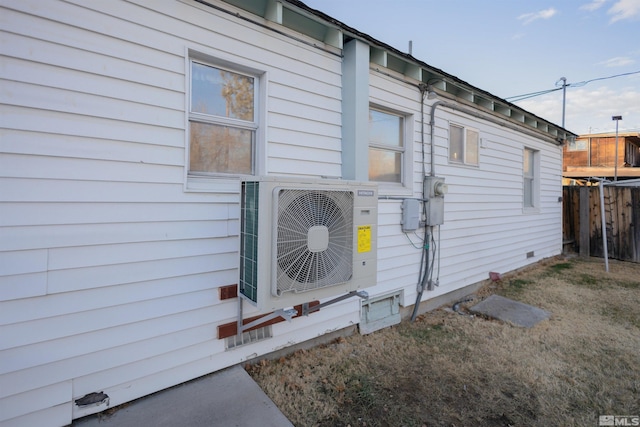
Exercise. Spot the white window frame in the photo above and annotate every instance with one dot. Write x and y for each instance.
(218, 181)
(531, 204)
(465, 135)
(577, 145)
(404, 186)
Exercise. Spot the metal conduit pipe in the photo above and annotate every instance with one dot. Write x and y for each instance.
(432, 125)
(426, 268)
(424, 274)
(424, 257)
(423, 93)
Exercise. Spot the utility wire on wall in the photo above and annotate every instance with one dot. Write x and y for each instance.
(578, 84)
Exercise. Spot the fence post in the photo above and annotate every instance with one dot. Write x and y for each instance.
(585, 232)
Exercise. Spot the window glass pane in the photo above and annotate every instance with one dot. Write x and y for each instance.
(385, 165)
(471, 155)
(222, 149)
(528, 192)
(529, 178)
(221, 93)
(455, 144)
(528, 163)
(385, 128)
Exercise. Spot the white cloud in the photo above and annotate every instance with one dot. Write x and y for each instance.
(590, 110)
(624, 9)
(618, 61)
(594, 5)
(528, 18)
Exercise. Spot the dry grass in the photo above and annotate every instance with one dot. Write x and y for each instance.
(450, 369)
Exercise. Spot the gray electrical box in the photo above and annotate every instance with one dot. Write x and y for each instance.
(410, 215)
(434, 190)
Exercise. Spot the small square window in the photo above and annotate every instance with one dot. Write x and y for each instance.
(464, 145)
(577, 145)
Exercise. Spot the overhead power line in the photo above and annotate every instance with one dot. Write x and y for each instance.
(532, 94)
(578, 84)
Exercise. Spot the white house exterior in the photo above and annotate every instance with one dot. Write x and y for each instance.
(117, 234)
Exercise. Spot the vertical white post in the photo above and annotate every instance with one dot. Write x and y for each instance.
(564, 97)
(355, 111)
(615, 176)
(604, 228)
(615, 161)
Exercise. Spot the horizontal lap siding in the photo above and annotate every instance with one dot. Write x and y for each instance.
(398, 259)
(304, 129)
(108, 269)
(485, 228)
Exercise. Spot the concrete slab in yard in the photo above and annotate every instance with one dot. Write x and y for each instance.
(507, 310)
(227, 398)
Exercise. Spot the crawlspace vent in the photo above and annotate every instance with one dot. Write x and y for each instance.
(249, 337)
(314, 246)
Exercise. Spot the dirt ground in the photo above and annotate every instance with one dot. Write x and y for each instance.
(455, 369)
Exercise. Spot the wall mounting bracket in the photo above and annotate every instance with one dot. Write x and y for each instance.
(286, 314)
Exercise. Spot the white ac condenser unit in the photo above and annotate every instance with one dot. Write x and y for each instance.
(305, 240)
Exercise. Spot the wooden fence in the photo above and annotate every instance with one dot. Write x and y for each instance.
(582, 221)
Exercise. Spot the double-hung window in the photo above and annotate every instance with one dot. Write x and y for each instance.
(222, 120)
(386, 146)
(529, 179)
(463, 145)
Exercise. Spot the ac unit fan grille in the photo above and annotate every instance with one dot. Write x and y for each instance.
(302, 264)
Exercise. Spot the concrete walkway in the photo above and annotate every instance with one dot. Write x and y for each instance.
(227, 398)
(507, 310)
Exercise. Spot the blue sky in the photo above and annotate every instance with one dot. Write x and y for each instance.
(511, 47)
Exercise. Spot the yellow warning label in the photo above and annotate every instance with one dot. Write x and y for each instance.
(364, 238)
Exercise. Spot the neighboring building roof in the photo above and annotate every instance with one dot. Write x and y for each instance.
(298, 16)
(610, 134)
(576, 162)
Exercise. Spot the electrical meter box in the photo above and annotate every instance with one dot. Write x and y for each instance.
(435, 189)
